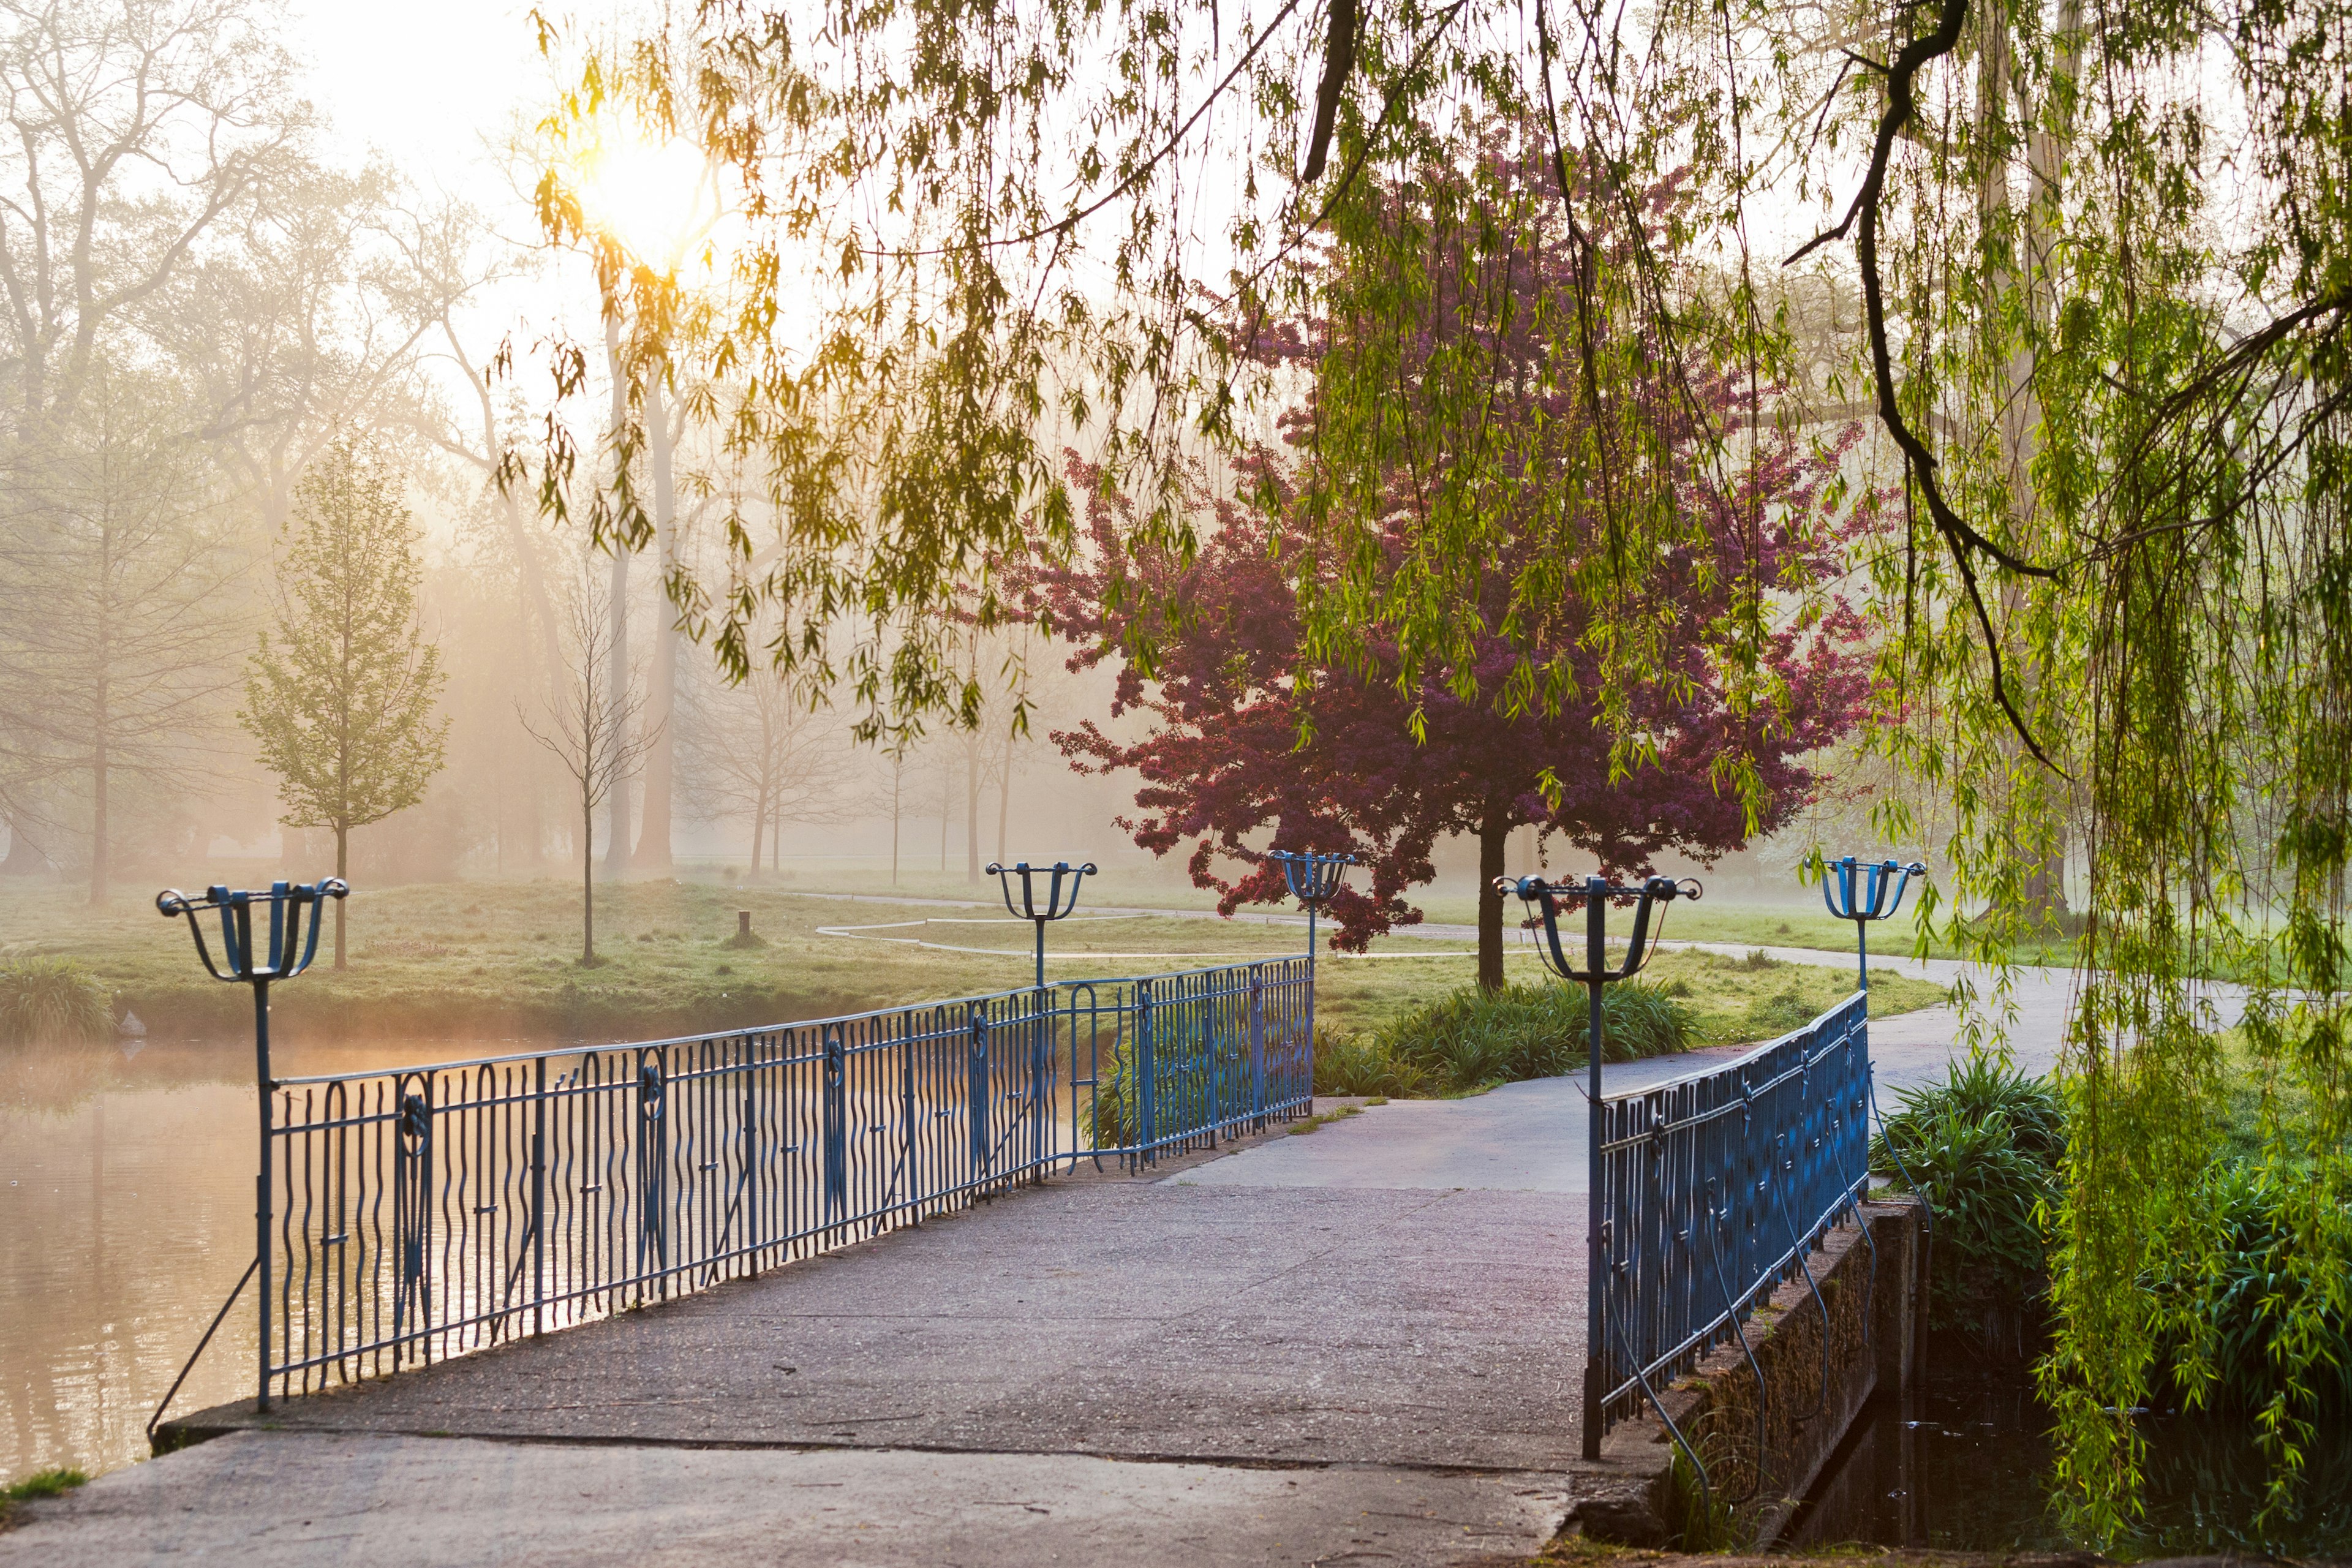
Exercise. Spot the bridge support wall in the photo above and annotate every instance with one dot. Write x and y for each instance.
(1868, 1289)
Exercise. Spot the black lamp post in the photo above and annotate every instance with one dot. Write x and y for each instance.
(288, 952)
(1872, 898)
(1313, 878)
(1595, 893)
(1057, 907)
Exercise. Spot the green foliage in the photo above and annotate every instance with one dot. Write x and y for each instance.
(1475, 1040)
(1983, 1148)
(1779, 1013)
(50, 1001)
(2251, 1327)
(341, 700)
(41, 1484)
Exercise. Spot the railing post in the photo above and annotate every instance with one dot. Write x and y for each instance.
(538, 1199)
(1040, 1052)
(289, 952)
(755, 1235)
(1257, 1049)
(1147, 1075)
(976, 1087)
(836, 1130)
(653, 1182)
(1596, 1288)
(1606, 1248)
(262, 1090)
(907, 1122)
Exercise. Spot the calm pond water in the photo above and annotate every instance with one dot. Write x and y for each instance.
(1966, 1466)
(126, 1216)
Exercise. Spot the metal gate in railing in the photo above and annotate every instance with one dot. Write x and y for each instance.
(418, 1212)
(1713, 1189)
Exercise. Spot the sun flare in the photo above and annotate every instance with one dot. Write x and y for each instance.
(658, 199)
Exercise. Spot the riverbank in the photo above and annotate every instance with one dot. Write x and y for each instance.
(501, 962)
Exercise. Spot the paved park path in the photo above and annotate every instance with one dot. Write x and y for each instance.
(1362, 1346)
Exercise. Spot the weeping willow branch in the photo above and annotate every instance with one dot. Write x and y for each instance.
(1963, 541)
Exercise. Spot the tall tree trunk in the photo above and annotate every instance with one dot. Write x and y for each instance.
(103, 721)
(759, 829)
(1003, 799)
(1494, 838)
(895, 768)
(661, 709)
(2003, 90)
(947, 811)
(99, 828)
(972, 812)
(342, 874)
(616, 845)
(587, 885)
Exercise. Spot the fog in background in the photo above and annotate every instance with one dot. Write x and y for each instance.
(233, 232)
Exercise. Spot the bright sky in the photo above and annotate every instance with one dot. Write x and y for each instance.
(433, 90)
(426, 88)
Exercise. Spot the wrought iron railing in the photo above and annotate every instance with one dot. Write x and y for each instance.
(1714, 1188)
(422, 1212)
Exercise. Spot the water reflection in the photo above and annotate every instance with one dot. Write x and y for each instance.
(126, 1216)
(1965, 1465)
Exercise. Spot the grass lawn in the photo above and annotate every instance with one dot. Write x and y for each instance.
(1797, 921)
(482, 963)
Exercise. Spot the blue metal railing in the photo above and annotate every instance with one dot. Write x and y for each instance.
(423, 1212)
(1714, 1188)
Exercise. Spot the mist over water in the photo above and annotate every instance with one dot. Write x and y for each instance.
(126, 1216)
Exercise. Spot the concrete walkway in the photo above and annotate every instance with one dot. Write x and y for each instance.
(1362, 1346)
(1101, 1368)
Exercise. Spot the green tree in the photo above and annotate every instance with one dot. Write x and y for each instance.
(2089, 268)
(342, 699)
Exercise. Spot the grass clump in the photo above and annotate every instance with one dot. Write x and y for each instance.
(39, 1484)
(1785, 1010)
(1475, 1040)
(1982, 1147)
(50, 1001)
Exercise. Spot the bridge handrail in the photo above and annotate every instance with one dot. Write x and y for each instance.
(422, 1211)
(1703, 1220)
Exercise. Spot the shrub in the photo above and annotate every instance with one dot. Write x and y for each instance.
(1474, 1039)
(48, 1000)
(2227, 1310)
(1982, 1147)
(1354, 1064)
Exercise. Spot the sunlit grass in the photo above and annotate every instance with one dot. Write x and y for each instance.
(485, 962)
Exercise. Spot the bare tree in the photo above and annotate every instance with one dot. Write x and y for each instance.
(758, 752)
(591, 726)
(138, 131)
(300, 334)
(120, 607)
(447, 257)
(138, 128)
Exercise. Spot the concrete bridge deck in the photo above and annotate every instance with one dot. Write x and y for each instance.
(1359, 1347)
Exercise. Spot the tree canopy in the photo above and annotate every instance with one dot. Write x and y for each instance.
(1465, 486)
(2085, 264)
